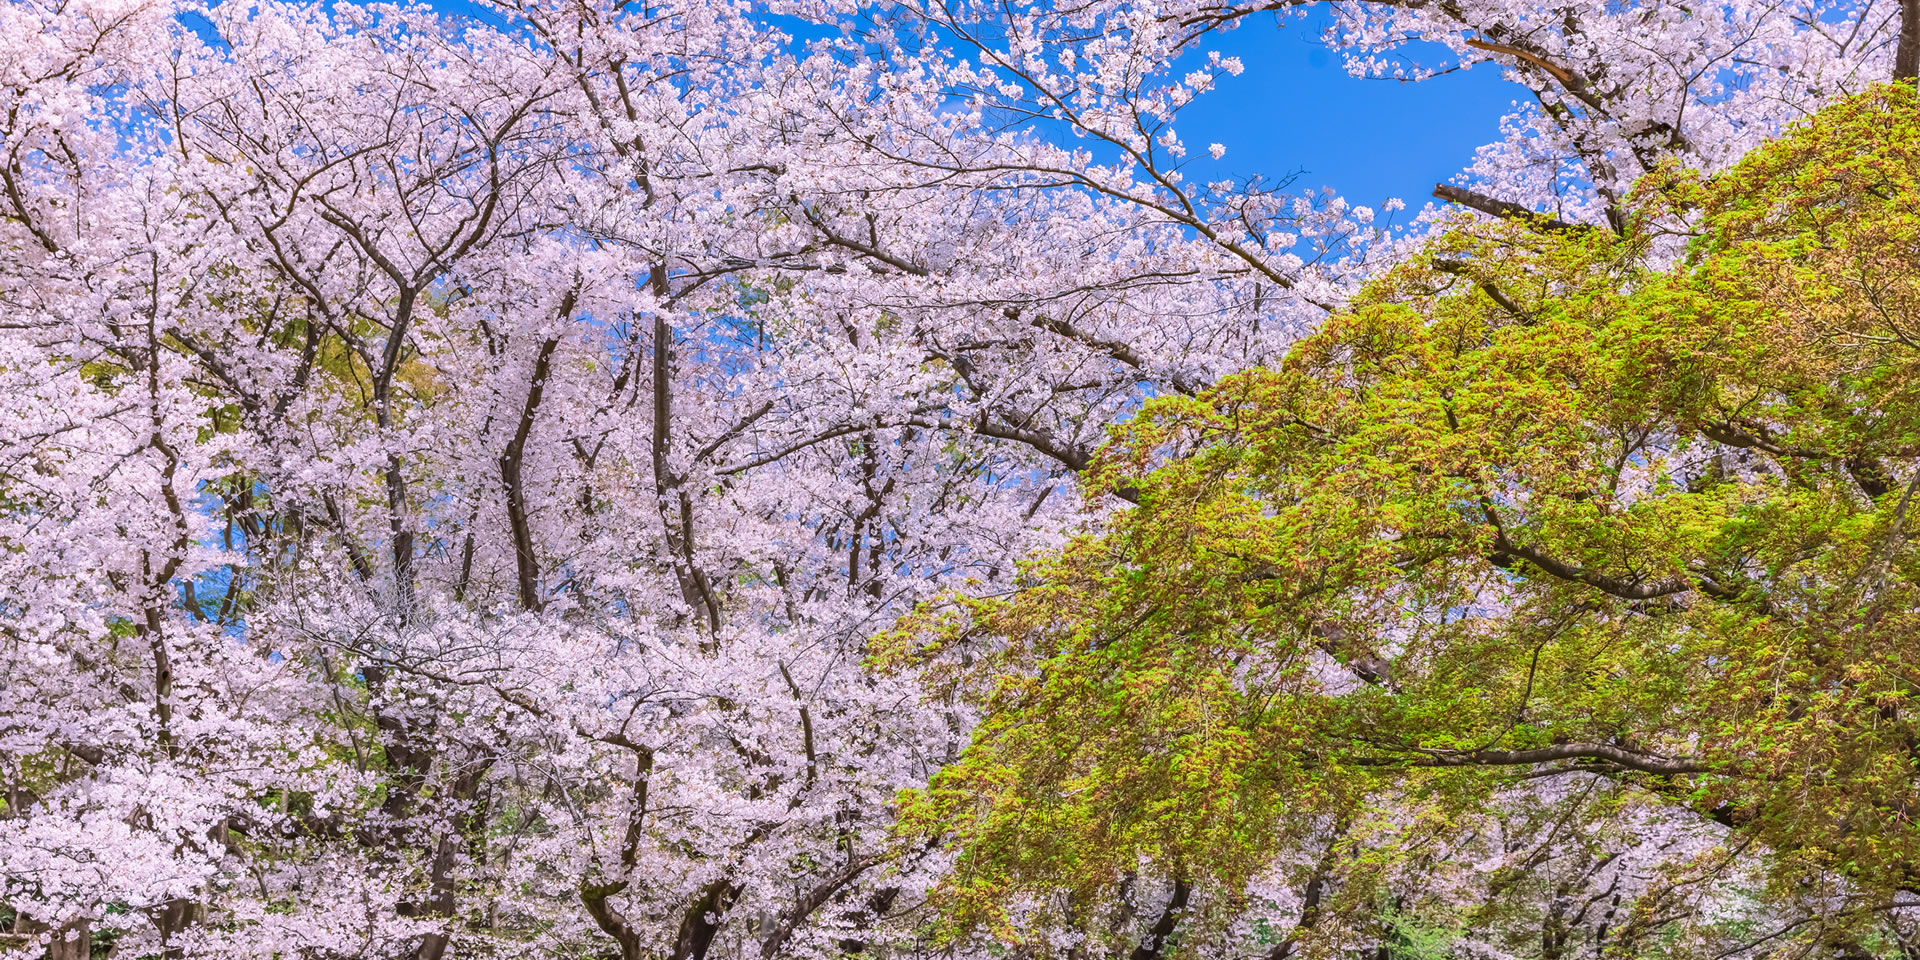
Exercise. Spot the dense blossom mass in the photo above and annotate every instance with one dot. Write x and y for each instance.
(452, 470)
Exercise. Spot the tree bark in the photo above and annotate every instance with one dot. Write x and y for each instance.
(1155, 944)
(1906, 53)
(512, 476)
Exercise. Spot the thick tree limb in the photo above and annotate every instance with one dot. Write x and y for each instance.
(1906, 54)
(468, 788)
(1869, 473)
(1554, 70)
(796, 914)
(1154, 946)
(701, 922)
(676, 506)
(1310, 899)
(1505, 551)
(1504, 209)
(596, 896)
(513, 478)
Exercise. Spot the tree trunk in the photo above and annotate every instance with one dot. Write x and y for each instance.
(1906, 55)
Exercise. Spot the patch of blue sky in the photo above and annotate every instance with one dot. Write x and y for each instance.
(1294, 114)
(213, 593)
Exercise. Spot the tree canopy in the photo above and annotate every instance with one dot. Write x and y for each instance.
(1534, 518)
(453, 465)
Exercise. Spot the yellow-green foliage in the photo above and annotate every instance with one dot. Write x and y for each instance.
(1537, 493)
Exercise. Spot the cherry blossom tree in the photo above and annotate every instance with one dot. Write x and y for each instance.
(452, 468)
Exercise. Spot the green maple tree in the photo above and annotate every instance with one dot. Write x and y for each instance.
(1551, 511)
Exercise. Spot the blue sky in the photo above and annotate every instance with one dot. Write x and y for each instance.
(1296, 110)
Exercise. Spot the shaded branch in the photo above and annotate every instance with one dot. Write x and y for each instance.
(1619, 756)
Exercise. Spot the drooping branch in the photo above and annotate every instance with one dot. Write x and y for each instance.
(1505, 551)
(1619, 756)
(1868, 472)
